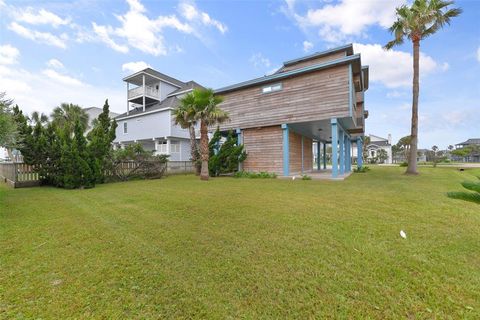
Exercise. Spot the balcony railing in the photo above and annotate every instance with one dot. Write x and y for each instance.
(138, 92)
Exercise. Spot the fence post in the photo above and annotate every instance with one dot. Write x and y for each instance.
(15, 174)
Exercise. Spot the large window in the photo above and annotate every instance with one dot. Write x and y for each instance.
(175, 147)
(162, 147)
(272, 88)
(125, 127)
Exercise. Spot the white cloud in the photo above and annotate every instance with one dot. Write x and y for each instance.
(41, 37)
(62, 78)
(394, 68)
(8, 54)
(340, 21)
(135, 66)
(307, 46)
(259, 61)
(103, 35)
(191, 13)
(42, 91)
(54, 63)
(30, 16)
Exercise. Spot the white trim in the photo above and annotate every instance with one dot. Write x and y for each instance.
(180, 92)
(161, 79)
(143, 113)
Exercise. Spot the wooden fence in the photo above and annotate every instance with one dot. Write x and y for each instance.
(19, 175)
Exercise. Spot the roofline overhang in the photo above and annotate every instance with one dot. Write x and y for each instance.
(151, 75)
(179, 92)
(124, 117)
(348, 48)
(278, 76)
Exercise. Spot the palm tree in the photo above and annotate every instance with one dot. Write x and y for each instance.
(417, 22)
(208, 113)
(66, 115)
(184, 115)
(38, 117)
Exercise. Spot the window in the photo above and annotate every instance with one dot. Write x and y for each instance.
(125, 128)
(162, 147)
(175, 147)
(272, 88)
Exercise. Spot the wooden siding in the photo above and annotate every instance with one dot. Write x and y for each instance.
(312, 96)
(301, 64)
(295, 155)
(264, 147)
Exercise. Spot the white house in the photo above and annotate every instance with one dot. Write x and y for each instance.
(148, 119)
(377, 143)
(93, 113)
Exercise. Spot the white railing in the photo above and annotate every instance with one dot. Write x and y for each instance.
(138, 92)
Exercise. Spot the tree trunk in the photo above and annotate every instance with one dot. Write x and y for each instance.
(194, 150)
(204, 152)
(412, 159)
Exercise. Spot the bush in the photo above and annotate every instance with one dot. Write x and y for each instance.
(468, 196)
(306, 177)
(362, 169)
(255, 175)
(403, 164)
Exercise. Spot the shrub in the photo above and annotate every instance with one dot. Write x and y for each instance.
(361, 169)
(255, 175)
(468, 196)
(403, 164)
(226, 158)
(306, 177)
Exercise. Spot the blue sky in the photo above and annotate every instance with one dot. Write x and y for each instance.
(54, 51)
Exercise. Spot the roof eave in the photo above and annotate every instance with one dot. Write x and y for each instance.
(283, 75)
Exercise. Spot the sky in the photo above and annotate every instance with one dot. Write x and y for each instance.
(79, 51)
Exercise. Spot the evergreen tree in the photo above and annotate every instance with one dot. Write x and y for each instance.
(227, 157)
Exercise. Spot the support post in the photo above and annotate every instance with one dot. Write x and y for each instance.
(128, 103)
(286, 150)
(341, 147)
(324, 156)
(303, 168)
(334, 148)
(143, 83)
(239, 142)
(168, 146)
(359, 152)
(318, 156)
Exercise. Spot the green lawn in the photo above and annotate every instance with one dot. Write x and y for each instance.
(243, 248)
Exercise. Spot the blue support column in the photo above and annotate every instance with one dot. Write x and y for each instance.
(345, 150)
(341, 150)
(324, 156)
(286, 151)
(239, 142)
(359, 152)
(334, 148)
(318, 155)
(349, 155)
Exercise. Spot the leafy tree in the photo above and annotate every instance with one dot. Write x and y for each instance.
(435, 158)
(382, 155)
(366, 143)
(208, 113)
(225, 158)
(417, 22)
(8, 128)
(100, 147)
(184, 115)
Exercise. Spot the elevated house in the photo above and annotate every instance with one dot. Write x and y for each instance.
(316, 99)
(148, 120)
(373, 148)
(474, 156)
(93, 113)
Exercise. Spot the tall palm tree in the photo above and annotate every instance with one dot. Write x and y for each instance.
(417, 22)
(38, 117)
(66, 115)
(209, 114)
(184, 115)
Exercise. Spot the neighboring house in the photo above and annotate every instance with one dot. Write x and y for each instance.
(318, 99)
(378, 143)
(475, 156)
(149, 119)
(422, 155)
(4, 154)
(93, 114)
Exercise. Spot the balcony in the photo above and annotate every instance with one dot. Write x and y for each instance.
(135, 95)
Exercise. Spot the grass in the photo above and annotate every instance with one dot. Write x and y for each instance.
(243, 248)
